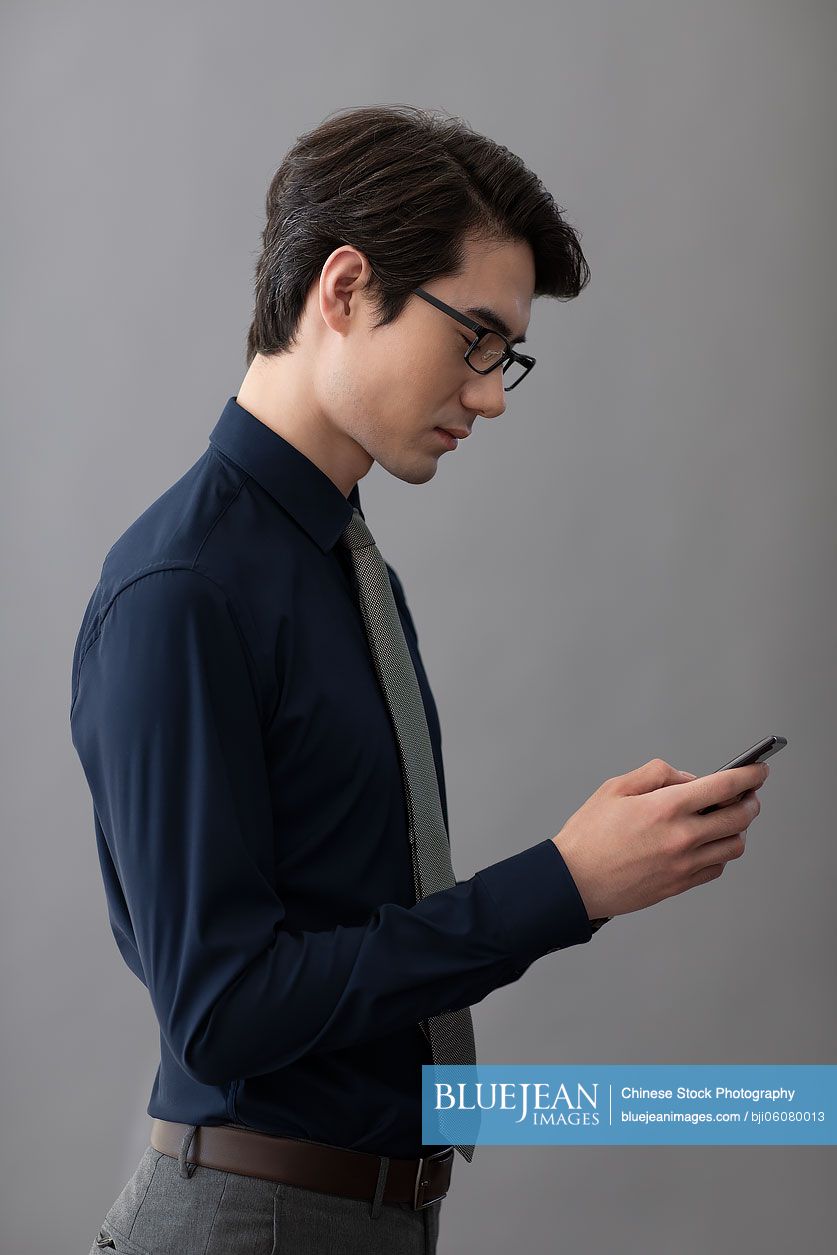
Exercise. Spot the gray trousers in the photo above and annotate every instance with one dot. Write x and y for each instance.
(169, 1207)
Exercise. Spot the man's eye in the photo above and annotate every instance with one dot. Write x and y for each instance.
(468, 339)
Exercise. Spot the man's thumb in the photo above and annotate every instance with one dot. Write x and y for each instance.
(655, 774)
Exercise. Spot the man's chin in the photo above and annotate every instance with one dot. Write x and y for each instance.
(414, 472)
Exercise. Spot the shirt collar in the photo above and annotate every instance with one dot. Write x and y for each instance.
(291, 478)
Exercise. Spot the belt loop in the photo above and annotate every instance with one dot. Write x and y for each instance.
(186, 1169)
(383, 1169)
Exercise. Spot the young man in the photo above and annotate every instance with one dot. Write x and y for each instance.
(260, 739)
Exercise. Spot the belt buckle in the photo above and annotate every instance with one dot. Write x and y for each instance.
(441, 1156)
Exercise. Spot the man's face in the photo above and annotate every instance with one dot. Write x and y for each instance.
(389, 389)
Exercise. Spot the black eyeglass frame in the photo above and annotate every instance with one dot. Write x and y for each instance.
(505, 360)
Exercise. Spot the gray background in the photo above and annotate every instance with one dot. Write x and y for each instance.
(658, 497)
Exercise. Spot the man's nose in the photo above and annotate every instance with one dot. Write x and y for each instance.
(486, 395)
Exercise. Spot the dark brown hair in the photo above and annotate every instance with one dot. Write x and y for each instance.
(404, 186)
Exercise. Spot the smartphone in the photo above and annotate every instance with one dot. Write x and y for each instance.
(755, 754)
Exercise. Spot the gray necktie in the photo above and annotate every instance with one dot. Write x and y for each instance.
(451, 1034)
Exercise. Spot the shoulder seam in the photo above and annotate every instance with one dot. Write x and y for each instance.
(220, 514)
(157, 568)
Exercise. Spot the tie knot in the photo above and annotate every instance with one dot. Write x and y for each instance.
(357, 535)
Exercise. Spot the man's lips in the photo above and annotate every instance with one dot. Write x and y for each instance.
(459, 433)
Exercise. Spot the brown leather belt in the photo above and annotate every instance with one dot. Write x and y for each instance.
(312, 1165)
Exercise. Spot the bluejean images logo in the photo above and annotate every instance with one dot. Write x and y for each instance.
(538, 1101)
(638, 1104)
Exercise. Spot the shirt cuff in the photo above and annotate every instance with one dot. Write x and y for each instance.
(540, 909)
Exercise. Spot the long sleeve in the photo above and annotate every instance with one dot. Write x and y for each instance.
(166, 721)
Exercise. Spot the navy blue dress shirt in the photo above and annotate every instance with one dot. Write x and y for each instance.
(250, 817)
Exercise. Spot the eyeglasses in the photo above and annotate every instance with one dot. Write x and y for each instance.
(489, 348)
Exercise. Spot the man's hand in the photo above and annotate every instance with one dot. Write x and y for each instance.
(638, 839)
